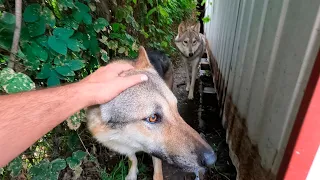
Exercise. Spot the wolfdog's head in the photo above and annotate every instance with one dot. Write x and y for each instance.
(188, 39)
(145, 118)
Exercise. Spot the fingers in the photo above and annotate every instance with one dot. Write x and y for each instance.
(128, 81)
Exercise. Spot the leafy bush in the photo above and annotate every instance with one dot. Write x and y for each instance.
(63, 41)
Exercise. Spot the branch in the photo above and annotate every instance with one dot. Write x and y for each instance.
(16, 35)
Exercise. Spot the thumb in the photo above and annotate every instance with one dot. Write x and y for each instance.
(129, 81)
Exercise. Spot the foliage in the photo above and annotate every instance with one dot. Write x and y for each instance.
(63, 41)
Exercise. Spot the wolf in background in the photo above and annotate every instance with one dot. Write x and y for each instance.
(191, 44)
(145, 118)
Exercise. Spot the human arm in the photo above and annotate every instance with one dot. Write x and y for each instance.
(26, 117)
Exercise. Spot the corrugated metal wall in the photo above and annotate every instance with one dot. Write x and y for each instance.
(263, 50)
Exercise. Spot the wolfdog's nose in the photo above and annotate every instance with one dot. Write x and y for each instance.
(190, 54)
(209, 158)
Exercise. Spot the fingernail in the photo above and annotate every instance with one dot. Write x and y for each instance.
(144, 77)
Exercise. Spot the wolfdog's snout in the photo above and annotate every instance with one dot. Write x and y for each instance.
(208, 158)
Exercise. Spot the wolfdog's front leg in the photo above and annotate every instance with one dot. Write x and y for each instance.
(186, 66)
(194, 65)
(157, 169)
(133, 171)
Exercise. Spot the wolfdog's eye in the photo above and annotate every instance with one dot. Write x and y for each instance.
(194, 42)
(153, 118)
(186, 42)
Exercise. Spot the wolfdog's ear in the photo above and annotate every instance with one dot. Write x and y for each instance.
(143, 60)
(196, 27)
(182, 27)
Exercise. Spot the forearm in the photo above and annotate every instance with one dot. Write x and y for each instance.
(26, 117)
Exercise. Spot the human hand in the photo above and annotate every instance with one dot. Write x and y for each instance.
(105, 84)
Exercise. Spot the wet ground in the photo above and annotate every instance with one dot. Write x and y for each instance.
(203, 108)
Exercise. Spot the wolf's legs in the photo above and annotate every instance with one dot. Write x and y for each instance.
(194, 65)
(133, 171)
(186, 65)
(157, 169)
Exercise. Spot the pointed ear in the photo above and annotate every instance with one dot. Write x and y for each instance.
(182, 27)
(196, 27)
(142, 60)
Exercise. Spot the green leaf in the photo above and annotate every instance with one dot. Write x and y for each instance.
(58, 164)
(53, 80)
(73, 141)
(48, 16)
(113, 45)
(164, 44)
(82, 7)
(15, 166)
(40, 169)
(74, 45)
(37, 28)
(151, 11)
(5, 75)
(92, 7)
(79, 155)
(206, 19)
(134, 1)
(121, 50)
(71, 23)
(19, 83)
(94, 46)
(74, 121)
(115, 27)
(73, 163)
(203, 2)
(104, 40)
(64, 71)
(87, 19)
(57, 45)
(150, 2)
(81, 13)
(104, 55)
(77, 15)
(65, 4)
(100, 24)
(32, 13)
(59, 60)
(63, 33)
(42, 40)
(163, 12)
(32, 61)
(8, 18)
(38, 51)
(45, 72)
(75, 65)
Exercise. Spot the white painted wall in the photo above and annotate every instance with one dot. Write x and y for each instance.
(265, 50)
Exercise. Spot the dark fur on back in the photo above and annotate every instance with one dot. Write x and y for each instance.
(160, 61)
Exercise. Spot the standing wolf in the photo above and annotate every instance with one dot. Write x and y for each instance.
(145, 118)
(191, 44)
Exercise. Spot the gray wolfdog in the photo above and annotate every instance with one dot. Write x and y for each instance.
(191, 44)
(145, 118)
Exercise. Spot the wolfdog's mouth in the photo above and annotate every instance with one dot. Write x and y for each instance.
(179, 162)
